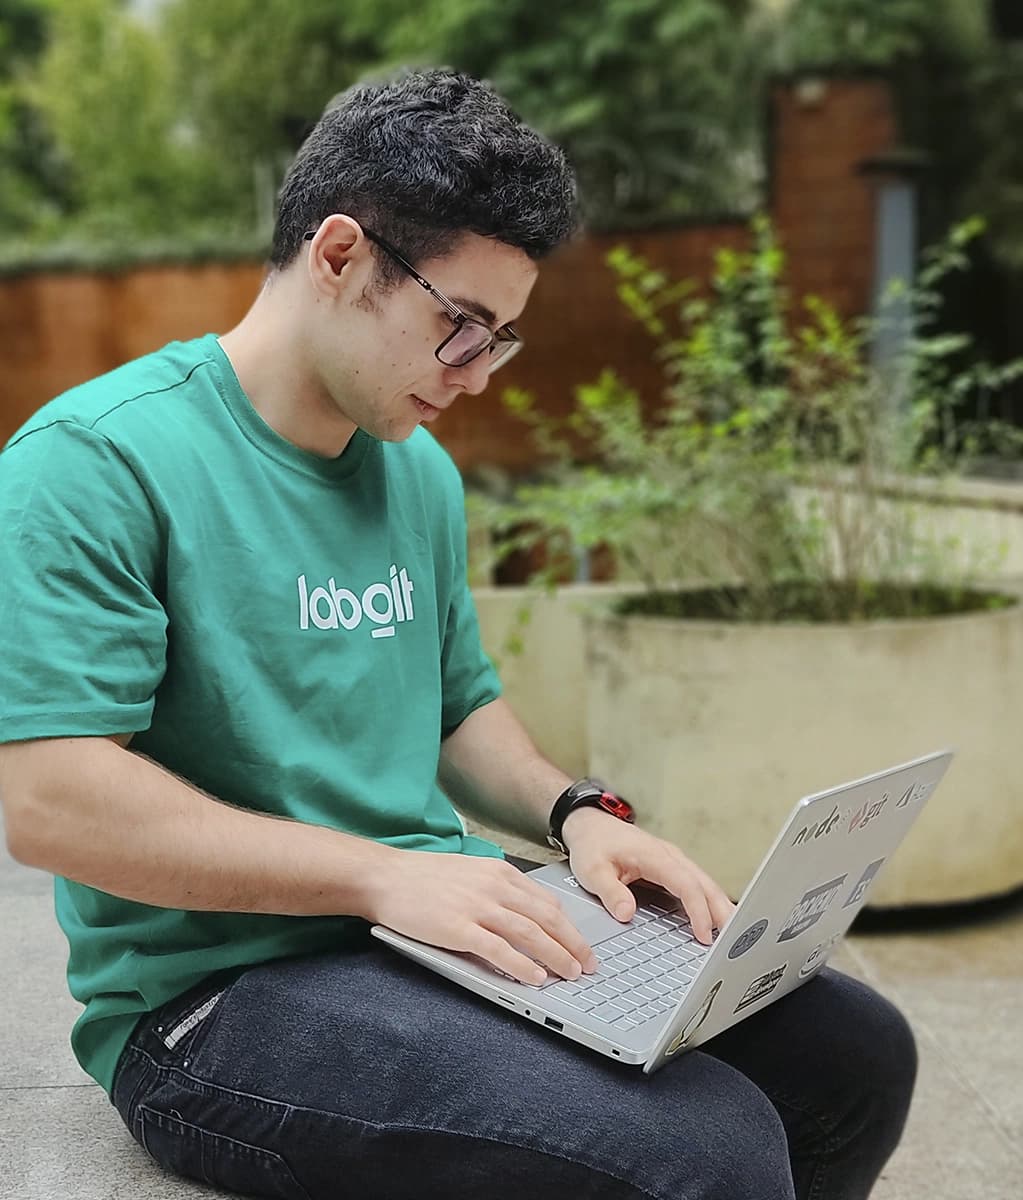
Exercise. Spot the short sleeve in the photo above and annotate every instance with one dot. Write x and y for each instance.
(83, 635)
(468, 676)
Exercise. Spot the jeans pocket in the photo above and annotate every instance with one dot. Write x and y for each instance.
(172, 1035)
(214, 1158)
(176, 1032)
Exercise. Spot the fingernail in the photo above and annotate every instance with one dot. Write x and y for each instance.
(539, 975)
(623, 911)
(592, 964)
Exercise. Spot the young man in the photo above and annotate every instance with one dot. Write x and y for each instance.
(242, 683)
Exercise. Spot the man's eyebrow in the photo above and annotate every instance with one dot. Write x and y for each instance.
(475, 308)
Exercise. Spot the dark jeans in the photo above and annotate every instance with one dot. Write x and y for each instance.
(360, 1074)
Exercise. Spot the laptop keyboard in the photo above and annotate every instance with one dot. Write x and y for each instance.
(643, 970)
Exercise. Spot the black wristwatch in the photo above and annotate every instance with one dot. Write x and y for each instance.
(585, 793)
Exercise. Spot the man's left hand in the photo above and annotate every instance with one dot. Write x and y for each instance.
(606, 855)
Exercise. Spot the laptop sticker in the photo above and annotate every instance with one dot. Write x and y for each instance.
(916, 792)
(747, 940)
(761, 987)
(818, 829)
(817, 956)
(856, 895)
(695, 1021)
(810, 909)
(867, 812)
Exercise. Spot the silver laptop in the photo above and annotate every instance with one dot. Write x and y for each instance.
(658, 991)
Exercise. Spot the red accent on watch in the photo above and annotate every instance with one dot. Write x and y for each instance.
(584, 793)
(616, 806)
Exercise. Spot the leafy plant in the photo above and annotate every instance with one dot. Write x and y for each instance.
(781, 468)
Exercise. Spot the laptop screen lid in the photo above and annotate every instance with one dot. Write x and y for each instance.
(802, 899)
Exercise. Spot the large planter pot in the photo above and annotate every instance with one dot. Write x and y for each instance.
(714, 730)
(545, 678)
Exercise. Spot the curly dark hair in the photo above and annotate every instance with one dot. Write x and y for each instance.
(421, 160)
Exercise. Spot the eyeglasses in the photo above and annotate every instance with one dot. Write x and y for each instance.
(470, 338)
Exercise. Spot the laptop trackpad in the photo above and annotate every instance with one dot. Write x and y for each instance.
(593, 921)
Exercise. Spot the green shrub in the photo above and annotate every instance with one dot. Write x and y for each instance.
(780, 462)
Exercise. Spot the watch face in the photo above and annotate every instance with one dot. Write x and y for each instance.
(617, 807)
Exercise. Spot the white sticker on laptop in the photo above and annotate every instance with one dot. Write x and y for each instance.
(818, 956)
(688, 1030)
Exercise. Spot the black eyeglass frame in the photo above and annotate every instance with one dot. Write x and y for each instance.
(511, 342)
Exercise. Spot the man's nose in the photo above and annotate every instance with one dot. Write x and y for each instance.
(474, 376)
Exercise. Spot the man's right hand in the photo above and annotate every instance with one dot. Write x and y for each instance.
(72, 806)
(480, 906)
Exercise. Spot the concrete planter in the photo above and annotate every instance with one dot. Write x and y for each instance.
(545, 682)
(714, 730)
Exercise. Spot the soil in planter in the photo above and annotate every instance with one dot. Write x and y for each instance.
(814, 602)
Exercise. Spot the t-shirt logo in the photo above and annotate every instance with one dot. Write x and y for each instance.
(384, 605)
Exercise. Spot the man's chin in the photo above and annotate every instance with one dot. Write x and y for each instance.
(393, 433)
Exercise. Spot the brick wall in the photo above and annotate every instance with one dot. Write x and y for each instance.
(57, 330)
(823, 206)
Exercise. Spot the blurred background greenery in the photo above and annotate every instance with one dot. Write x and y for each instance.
(128, 127)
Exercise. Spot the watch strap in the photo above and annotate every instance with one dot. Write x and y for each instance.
(585, 793)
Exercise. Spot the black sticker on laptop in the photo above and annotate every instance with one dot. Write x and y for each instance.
(762, 986)
(919, 790)
(821, 827)
(747, 940)
(858, 892)
(810, 909)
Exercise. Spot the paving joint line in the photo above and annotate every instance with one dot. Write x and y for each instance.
(46, 1087)
(924, 1028)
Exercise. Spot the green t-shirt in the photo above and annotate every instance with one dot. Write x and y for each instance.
(293, 634)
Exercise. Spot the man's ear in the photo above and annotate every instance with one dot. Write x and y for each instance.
(338, 242)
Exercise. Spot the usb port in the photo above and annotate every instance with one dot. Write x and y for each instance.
(552, 1023)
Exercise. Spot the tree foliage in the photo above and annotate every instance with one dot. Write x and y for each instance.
(184, 118)
(179, 117)
(187, 117)
(960, 88)
(853, 34)
(654, 102)
(26, 175)
(105, 87)
(253, 76)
